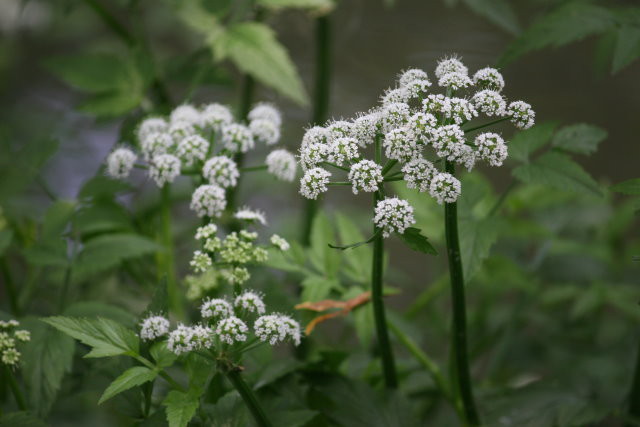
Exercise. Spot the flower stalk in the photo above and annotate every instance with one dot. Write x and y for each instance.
(15, 389)
(249, 397)
(459, 326)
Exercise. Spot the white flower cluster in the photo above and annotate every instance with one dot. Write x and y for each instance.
(393, 215)
(154, 326)
(203, 141)
(9, 338)
(277, 328)
(184, 338)
(419, 132)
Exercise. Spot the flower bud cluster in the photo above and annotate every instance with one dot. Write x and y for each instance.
(10, 337)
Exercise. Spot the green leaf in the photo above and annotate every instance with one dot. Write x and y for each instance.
(159, 302)
(570, 22)
(112, 104)
(105, 252)
(5, 240)
(580, 138)
(417, 241)
(21, 419)
(630, 187)
(104, 336)
(358, 263)
(102, 216)
(499, 12)
(627, 47)
(559, 171)
(45, 358)
(324, 6)
(162, 355)
(130, 378)
(103, 187)
(100, 309)
(526, 142)
(316, 288)
(91, 72)
(322, 257)
(253, 48)
(477, 237)
(180, 407)
(56, 219)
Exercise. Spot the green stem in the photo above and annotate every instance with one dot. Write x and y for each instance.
(15, 389)
(634, 393)
(459, 311)
(248, 396)
(379, 317)
(502, 119)
(253, 168)
(390, 164)
(321, 94)
(111, 22)
(65, 286)
(337, 166)
(339, 183)
(10, 286)
(167, 261)
(502, 199)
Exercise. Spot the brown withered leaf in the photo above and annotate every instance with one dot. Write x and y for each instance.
(343, 308)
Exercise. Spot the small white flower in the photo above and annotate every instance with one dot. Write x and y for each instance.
(216, 309)
(251, 302)
(365, 176)
(434, 103)
(489, 78)
(151, 125)
(154, 327)
(394, 116)
(401, 144)
(313, 154)
(314, 182)
(280, 243)
(164, 168)
(237, 138)
(491, 148)
(265, 131)
(206, 231)
(265, 111)
(459, 110)
(208, 200)
(184, 339)
(221, 170)
(343, 151)
(365, 127)
(22, 335)
(411, 75)
(455, 81)
(418, 88)
(216, 116)
(232, 330)
(282, 164)
(490, 102)
(180, 130)
(449, 142)
(191, 149)
(250, 215)
(422, 126)
(200, 262)
(276, 328)
(398, 94)
(186, 113)
(120, 162)
(450, 65)
(393, 215)
(314, 135)
(338, 129)
(445, 188)
(154, 144)
(522, 115)
(418, 174)
(10, 356)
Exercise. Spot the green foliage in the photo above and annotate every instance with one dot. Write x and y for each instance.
(499, 12)
(324, 6)
(580, 138)
(22, 419)
(526, 142)
(105, 337)
(181, 407)
(414, 239)
(630, 187)
(130, 378)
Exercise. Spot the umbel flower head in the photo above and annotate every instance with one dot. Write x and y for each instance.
(282, 164)
(393, 215)
(154, 326)
(120, 162)
(208, 200)
(10, 338)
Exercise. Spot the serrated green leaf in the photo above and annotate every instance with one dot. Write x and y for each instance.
(568, 23)
(499, 12)
(477, 237)
(316, 288)
(358, 262)
(580, 138)
(112, 104)
(627, 47)
(526, 142)
(630, 187)
(104, 336)
(180, 408)
(130, 378)
(559, 171)
(417, 241)
(45, 360)
(322, 257)
(100, 309)
(105, 252)
(253, 48)
(162, 355)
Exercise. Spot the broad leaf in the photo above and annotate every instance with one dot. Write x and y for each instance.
(253, 48)
(56, 219)
(104, 336)
(112, 104)
(130, 378)
(315, 288)
(322, 257)
(180, 408)
(580, 138)
(417, 241)
(630, 187)
(46, 358)
(477, 237)
(162, 355)
(526, 142)
(499, 12)
(569, 23)
(92, 309)
(91, 72)
(358, 262)
(559, 171)
(627, 47)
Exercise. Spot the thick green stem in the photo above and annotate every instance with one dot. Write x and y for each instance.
(167, 261)
(459, 311)
(320, 113)
(15, 389)
(249, 397)
(634, 393)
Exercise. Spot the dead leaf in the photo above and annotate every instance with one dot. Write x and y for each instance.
(345, 307)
